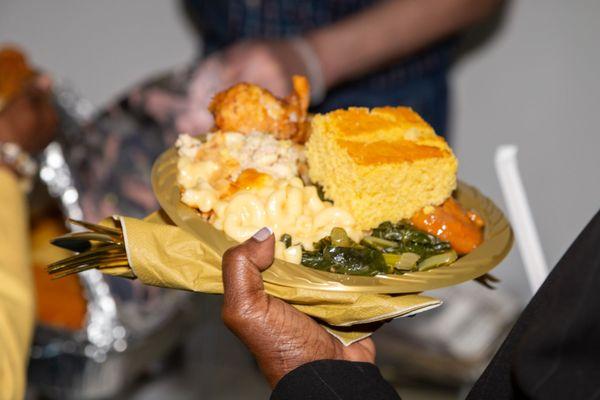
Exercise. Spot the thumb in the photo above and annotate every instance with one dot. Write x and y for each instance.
(242, 282)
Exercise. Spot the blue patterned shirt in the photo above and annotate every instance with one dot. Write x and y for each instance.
(418, 81)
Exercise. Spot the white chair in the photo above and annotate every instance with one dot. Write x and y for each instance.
(519, 213)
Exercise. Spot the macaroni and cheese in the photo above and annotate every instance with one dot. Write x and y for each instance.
(242, 183)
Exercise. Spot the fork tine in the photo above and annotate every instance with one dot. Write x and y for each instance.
(85, 267)
(491, 278)
(99, 263)
(88, 260)
(487, 280)
(98, 251)
(72, 271)
(99, 237)
(83, 260)
(96, 228)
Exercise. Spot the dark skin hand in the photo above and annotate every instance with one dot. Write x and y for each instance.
(280, 337)
(30, 120)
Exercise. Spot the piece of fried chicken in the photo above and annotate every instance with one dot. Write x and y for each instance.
(249, 108)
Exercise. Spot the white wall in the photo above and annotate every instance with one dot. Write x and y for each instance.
(534, 84)
(101, 47)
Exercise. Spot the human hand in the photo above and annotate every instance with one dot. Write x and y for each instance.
(269, 64)
(211, 76)
(266, 63)
(30, 120)
(279, 336)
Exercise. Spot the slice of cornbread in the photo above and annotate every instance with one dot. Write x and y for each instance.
(383, 164)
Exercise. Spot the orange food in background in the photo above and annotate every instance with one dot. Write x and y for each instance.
(60, 303)
(451, 223)
(15, 72)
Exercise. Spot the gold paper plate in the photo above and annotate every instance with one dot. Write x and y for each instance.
(497, 243)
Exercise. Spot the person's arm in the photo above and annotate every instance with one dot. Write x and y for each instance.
(380, 34)
(16, 288)
(334, 380)
(28, 121)
(390, 30)
(297, 356)
(552, 351)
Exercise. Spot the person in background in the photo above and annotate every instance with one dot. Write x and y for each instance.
(354, 52)
(27, 124)
(552, 352)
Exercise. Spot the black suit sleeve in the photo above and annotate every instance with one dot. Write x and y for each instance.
(553, 351)
(334, 380)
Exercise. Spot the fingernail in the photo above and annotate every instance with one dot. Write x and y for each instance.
(263, 234)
